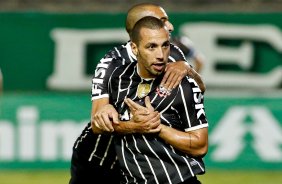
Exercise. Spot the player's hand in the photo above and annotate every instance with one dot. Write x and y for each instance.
(104, 118)
(147, 119)
(174, 73)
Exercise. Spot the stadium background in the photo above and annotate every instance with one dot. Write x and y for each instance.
(48, 52)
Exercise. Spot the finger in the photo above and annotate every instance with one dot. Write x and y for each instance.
(114, 116)
(171, 80)
(189, 70)
(155, 130)
(96, 124)
(155, 122)
(104, 121)
(149, 117)
(176, 81)
(165, 78)
(179, 79)
(148, 103)
(99, 122)
(134, 106)
(107, 121)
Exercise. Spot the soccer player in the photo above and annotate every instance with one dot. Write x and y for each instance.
(174, 154)
(94, 155)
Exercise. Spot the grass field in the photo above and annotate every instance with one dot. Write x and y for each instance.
(211, 177)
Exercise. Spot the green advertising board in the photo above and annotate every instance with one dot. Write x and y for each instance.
(43, 51)
(37, 130)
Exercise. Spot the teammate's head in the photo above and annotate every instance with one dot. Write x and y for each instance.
(150, 43)
(146, 9)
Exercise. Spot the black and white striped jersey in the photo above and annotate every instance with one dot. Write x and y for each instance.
(99, 149)
(145, 158)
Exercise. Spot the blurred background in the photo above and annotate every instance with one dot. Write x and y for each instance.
(49, 50)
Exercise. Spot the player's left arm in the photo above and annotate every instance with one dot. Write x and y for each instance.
(194, 143)
(189, 104)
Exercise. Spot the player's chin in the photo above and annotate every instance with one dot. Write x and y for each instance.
(157, 73)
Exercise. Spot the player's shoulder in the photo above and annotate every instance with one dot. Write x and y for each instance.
(127, 67)
(190, 81)
(175, 53)
(123, 72)
(117, 52)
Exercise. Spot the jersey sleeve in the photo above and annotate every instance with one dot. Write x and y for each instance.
(176, 54)
(101, 76)
(190, 105)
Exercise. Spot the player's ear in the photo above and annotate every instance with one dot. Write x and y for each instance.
(134, 48)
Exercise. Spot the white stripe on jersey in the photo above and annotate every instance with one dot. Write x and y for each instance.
(198, 164)
(152, 169)
(101, 96)
(171, 58)
(185, 106)
(196, 127)
(117, 51)
(124, 160)
(103, 60)
(158, 158)
(176, 166)
(187, 162)
(134, 158)
(95, 148)
(96, 80)
(106, 152)
(102, 65)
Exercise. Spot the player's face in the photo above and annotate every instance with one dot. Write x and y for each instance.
(152, 52)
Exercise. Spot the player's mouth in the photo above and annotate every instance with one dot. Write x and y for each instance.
(158, 66)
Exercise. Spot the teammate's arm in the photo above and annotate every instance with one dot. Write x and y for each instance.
(103, 115)
(176, 71)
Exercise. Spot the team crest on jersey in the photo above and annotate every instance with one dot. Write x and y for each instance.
(162, 91)
(143, 89)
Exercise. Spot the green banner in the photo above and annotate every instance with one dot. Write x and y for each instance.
(56, 51)
(37, 130)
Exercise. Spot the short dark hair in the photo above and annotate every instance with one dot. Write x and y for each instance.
(146, 22)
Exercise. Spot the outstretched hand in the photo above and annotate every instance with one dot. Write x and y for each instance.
(146, 117)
